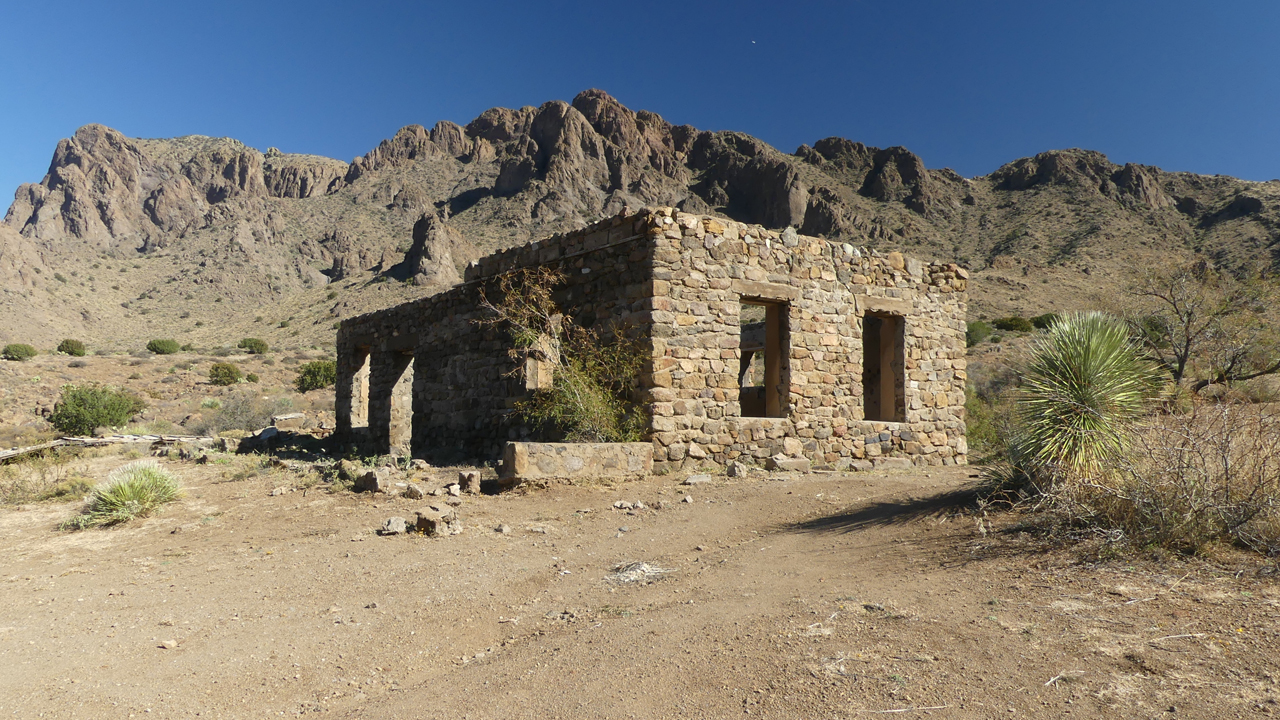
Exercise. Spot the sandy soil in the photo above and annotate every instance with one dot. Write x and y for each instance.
(784, 596)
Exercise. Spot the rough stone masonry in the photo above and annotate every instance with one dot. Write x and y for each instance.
(767, 347)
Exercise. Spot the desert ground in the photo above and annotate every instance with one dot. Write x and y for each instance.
(822, 595)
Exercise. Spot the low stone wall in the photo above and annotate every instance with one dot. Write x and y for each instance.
(537, 461)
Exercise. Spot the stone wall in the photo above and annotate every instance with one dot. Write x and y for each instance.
(681, 280)
(439, 385)
(704, 266)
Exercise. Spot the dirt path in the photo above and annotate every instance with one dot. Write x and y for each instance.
(817, 596)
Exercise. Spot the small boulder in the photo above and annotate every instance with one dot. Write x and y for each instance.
(469, 481)
(348, 471)
(697, 480)
(393, 526)
(414, 492)
(438, 520)
(378, 480)
(736, 469)
(783, 463)
(455, 490)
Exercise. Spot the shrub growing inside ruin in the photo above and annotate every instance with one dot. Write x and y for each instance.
(592, 373)
(163, 347)
(224, 374)
(315, 375)
(81, 409)
(71, 347)
(254, 346)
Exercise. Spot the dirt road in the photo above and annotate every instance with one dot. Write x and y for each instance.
(814, 596)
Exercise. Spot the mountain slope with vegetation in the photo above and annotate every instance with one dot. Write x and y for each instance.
(207, 240)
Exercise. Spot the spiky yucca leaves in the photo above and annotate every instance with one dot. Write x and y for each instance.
(133, 490)
(1086, 381)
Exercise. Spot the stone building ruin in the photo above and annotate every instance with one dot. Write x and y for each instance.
(767, 347)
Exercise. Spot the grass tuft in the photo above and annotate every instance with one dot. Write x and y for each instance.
(134, 490)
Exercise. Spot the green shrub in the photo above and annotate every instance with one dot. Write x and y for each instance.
(131, 491)
(84, 408)
(18, 351)
(71, 347)
(284, 323)
(163, 347)
(315, 375)
(592, 373)
(1042, 322)
(254, 346)
(975, 332)
(1084, 385)
(224, 374)
(1013, 323)
(252, 377)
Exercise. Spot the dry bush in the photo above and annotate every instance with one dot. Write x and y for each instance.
(52, 475)
(1192, 479)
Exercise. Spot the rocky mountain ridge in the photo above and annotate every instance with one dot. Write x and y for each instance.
(206, 238)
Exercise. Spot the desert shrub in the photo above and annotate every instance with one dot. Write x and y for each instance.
(245, 411)
(255, 346)
(1013, 323)
(222, 373)
(45, 476)
(592, 373)
(1042, 322)
(252, 377)
(1084, 385)
(188, 347)
(975, 332)
(18, 351)
(163, 347)
(131, 491)
(71, 347)
(1192, 479)
(81, 409)
(284, 324)
(315, 375)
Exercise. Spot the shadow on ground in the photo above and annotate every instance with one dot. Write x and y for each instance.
(893, 512)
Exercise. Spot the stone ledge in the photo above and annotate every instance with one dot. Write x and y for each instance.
(522, 461)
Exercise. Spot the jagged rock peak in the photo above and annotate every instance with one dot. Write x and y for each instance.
(1055, 167)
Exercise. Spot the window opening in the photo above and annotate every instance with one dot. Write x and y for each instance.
(883, 368)
(762, 340)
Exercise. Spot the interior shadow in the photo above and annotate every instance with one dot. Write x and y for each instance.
(892, 512)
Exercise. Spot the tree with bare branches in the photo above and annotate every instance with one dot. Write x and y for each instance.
(1206, 326)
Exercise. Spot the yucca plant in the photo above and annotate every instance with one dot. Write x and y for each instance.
(131, 491)
(1084, 384)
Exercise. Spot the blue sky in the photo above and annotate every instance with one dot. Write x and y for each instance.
(966, 85)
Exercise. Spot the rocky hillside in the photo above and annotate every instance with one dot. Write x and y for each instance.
(207, 240)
